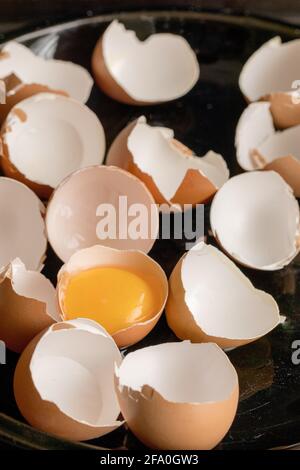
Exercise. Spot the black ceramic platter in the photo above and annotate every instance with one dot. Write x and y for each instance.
(269, 409)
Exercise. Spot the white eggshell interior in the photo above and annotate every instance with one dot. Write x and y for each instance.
(255, 132)
(281, 144)
(272, 68)
(155, 154)
(22, 228)
(57, 136)
(74, 368)
(34, 285)
(169, 367)
(238, 311)
(255, 217)
(254, 127)
(161, 68)
(56, 74)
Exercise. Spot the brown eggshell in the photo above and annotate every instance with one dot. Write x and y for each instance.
(166, 424)
(2, 92)
(136, 333)
(193, 314)
(81, 194)
(49, 419)
(118, 153)
(17, 91)
(24, 236)
(18, 60)
(260, 147)
(105, 81)
(207, 423)
(195, 187)
(182, 322)
(149, 66)
(57, 105)
(9, 169)
(43, 414)
(135, 260)
(289, 169)
(23, 317)
(20, 318)
(120, 156)
(285, 109)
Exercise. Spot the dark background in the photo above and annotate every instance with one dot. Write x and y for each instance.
(231, 47)
(17, 12)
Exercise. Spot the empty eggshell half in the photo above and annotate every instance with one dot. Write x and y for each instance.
(159, 69)
(64, 381)
(171, 172)
(270, 74)
(101, 205)
(135, 261)
(178, 395)
(58, 75)
(236, 315)
(259, 146)
(46, 137)
(22, 227)
(27, 305)
(255, 218)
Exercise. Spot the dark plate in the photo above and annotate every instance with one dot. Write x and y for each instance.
(269, 409)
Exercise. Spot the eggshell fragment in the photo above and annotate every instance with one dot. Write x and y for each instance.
(134, 260)
(236, 315)
(105, 197)
(169, 169)
(178, 395)
(255, 218)
(27, 305)
(17, 91)
(285, 108)
(46, 137)
(2, 92)
(259, 146)
(159, 69)
(64, 381)
(22, 228)
(66, 77)
(270, 74)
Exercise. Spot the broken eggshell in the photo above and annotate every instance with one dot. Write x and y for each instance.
(270, 74)
(255, 218)
(64, 381)
(22, 233)
(178, 395)
(172, 173)
(27, 305)
(161, 68)
(238, 314)
(17, 91)
(2, 92)
(259, 146)
(54, 74)
(97, 198)
(46, 137)
(134, 260)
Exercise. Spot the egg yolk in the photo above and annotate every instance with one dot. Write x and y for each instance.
(112, 296)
